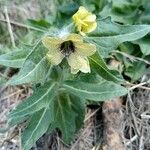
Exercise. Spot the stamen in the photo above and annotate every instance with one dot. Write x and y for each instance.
(67, 48)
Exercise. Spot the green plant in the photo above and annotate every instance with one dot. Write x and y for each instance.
(60, 97)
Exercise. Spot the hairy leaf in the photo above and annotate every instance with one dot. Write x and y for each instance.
(68, 115)
(137, 70)
(128, 12)
(43, 24)
(96, 92)
(64, 117)
(12, 121)
(144, 44)
(41, 97)
(109, 35)
(34, 69)
(101, 68)
(123, 11)
(78, 106)
(14, 58)
(37, 126)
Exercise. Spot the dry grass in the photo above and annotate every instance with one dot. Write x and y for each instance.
(9, 99)
(137, 120)
(11, 96)
(136, 125)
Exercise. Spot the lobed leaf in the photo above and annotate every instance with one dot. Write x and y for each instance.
(78, 106)
(64, 117)
(68, 115)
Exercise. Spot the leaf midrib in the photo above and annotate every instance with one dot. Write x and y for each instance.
(94, 93)
(36, 66)
(10, 61)
(116, 36)
(63, 118)
(36, 101)
(35, 128)
(105, 69)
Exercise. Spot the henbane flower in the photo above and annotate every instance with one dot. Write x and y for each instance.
(72, 48)
(84, 20)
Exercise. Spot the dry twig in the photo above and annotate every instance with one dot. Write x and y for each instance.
(9, 28)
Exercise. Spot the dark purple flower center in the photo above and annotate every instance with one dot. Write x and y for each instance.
(67, 48)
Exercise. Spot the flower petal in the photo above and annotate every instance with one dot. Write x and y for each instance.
(90, 18)
(74, 71)
(91, 27)
(78, 63)
(75, 61)
(79, 21)
(81, 13)
(51, 43)
(74, 37)
(85, 66)
(84, 20)
(55, 58)
(85, 49)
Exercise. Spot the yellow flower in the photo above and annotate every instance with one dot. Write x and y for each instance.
(84, 20)
(72, 48)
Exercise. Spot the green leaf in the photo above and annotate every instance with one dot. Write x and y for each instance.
(31, 38)
(128, 12)
(122, 11)
(34, 69)
(14, 58)
(39, 23)
(64, 117)
(68, 115)
(78, 106)
(144, 44)
(145, 15)
(137, 70)
(109, 35)
(37, 126)
(12, 121)
(101, 68)
(69, 110)
(41, 97)
(96, 92)
(68, 8)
